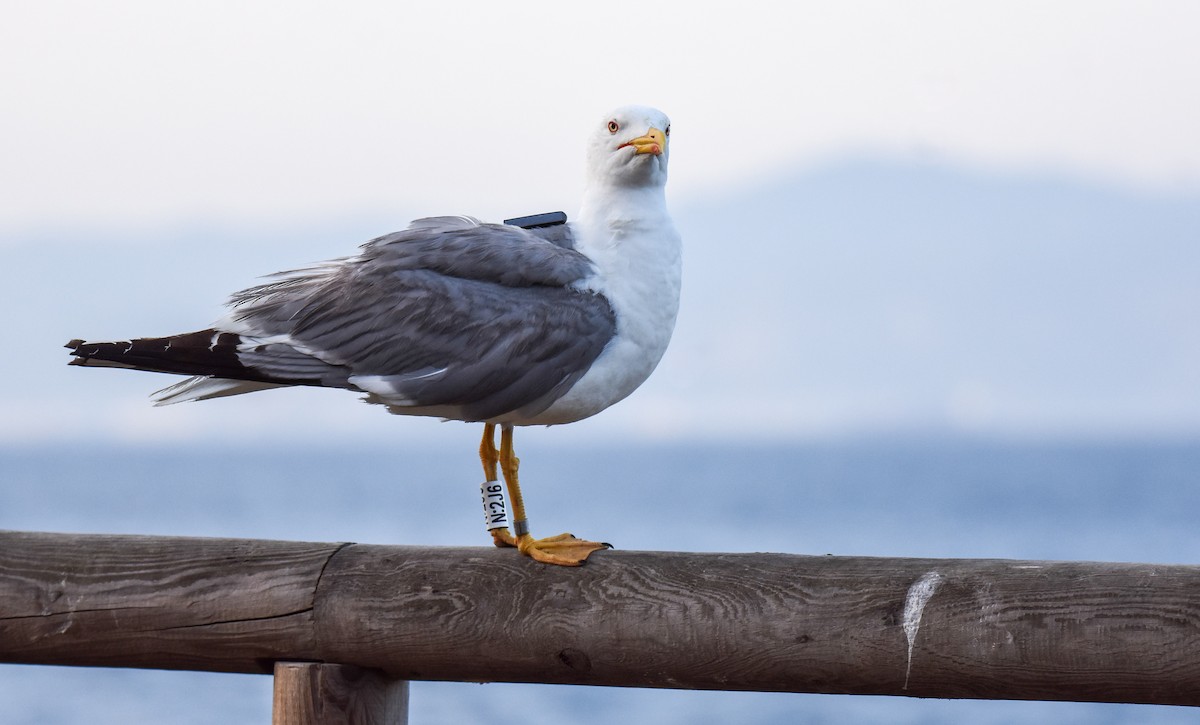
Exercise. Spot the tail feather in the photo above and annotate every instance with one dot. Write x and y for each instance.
(202, 387)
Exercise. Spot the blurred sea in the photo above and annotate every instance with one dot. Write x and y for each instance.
(1128, 501)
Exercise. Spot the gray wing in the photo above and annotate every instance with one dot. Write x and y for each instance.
(474, 320)
(559, 234)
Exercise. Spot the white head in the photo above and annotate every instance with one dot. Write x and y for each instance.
(630, 147)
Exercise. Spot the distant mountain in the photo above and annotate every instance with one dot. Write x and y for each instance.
(893, 295)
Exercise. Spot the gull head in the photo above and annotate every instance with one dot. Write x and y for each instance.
(630, 147)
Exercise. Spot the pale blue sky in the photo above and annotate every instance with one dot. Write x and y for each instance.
(136, 112)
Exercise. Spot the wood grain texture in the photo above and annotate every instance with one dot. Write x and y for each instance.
(990, 629)
(308, 693)
(918, 627)
(220, 605)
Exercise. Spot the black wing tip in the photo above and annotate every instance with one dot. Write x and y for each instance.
(80, 357)
(77, 349)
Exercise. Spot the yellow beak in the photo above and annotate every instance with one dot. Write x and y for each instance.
(654, 142)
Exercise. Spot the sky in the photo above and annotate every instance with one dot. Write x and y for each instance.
(146, 112)
(185, 148)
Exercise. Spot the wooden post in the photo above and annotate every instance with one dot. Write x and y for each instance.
(310, 693)
(964, 628)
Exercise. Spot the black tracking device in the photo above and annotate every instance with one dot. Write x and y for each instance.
(537, 221)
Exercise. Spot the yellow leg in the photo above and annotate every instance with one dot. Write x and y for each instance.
(564, 549)
(490, 457)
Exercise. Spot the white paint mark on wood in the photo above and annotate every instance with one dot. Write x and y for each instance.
(919, 595)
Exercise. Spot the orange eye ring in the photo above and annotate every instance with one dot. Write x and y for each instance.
(613, 127)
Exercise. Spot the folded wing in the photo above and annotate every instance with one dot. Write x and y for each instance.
(449, 317)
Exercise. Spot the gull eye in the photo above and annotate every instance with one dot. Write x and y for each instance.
(613, 127)
(668, 131)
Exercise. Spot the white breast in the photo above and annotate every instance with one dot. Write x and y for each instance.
(638, 269)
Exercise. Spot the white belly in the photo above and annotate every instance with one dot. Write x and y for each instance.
(641, 279)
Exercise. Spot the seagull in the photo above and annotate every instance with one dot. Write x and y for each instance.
(535, 321)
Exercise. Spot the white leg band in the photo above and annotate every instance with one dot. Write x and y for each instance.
(495, 513)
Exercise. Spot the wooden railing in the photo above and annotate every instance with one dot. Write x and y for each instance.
(343, 626)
